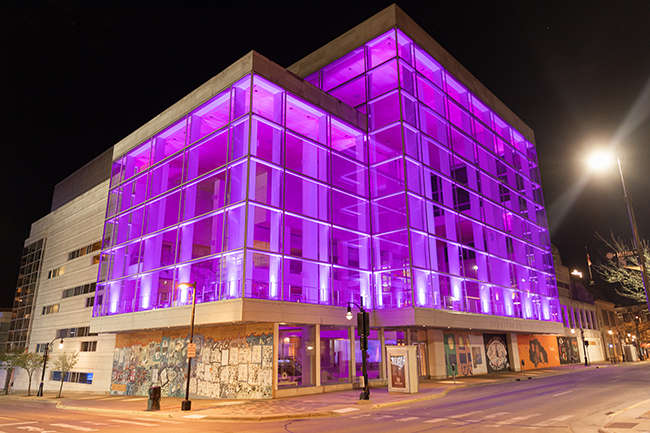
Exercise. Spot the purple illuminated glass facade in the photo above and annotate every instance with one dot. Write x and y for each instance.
(260, 194)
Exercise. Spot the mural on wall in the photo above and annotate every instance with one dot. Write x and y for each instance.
(538, 351)
(458, 353)
(231, 362)
(496, 352)
(568, 350)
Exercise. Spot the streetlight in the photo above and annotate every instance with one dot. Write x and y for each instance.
(47, 349)
(598, 160)
(363, 329)
(187, 403)
(584, 346)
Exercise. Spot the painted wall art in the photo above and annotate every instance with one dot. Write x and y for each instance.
(231, 362)
(496, 352)
(538, 351)
(458, 354)
(568, 350)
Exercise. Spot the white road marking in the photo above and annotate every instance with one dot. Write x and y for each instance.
(74, 427)
(93, 423)
(345, 410)
(38, 429)
(194, 416)
(517, 419)
(465, 414)
(360, 416)
(382, 417)
(494, 415)
(562, 393)
(136, 399)
(409, 418)
(92, 397)
(145, 424)
(160, 420)
(431, 421)
(553, 420)
(18, 423)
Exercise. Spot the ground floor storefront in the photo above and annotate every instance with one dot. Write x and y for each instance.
(270, 360)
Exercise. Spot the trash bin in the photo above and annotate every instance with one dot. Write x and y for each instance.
(154, 398)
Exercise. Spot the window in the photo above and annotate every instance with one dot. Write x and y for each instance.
(74, 332)
(56, 272)
(72, 376)
(88, 346)
(51, 309)
(95, 260)
(79, 290)
(85, 250)
(90, 302)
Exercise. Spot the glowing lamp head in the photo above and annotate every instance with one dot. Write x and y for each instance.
(61, 344)
(600, 161)
(610, 332)
(348, 315)
(573, 331)
(185, 285)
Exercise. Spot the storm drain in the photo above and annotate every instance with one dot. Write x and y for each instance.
(622, 425)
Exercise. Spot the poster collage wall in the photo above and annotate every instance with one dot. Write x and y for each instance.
(231, 362)
(467, 354)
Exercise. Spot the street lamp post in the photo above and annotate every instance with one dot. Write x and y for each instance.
(599, 158)
(47, 349)
(187, 403)
(635, 233)
(584, 346)
(363, 329)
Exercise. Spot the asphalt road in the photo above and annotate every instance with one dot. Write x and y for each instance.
(576, 403)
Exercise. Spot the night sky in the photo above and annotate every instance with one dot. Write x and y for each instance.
(78, 76)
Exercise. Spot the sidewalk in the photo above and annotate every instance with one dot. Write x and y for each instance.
(316, 405)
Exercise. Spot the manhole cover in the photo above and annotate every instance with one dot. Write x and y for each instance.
(622, 425)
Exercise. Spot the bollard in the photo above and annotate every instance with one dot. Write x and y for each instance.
(453, 372)
(523, 365)
(154, 398)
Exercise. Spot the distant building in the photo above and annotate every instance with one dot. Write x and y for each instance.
(375, 172)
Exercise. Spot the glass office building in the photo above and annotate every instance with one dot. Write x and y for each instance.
(423, 206)
(260, 194)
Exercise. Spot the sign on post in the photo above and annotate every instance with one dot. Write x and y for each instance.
(191, 350)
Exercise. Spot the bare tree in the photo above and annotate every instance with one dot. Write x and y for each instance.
(29, 362)
(64, 363)
(622, 267)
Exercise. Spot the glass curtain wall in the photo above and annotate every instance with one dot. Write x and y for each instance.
(458, 218)
(256, 193)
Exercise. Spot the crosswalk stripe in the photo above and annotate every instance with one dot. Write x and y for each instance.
(436, 420)
(18, 423)
(345, 410)
(517, 419)
(495, 415)
(409, 418)
(553, 420)
(160, 420)
(74, 427)
(465, 414)
(145, 424)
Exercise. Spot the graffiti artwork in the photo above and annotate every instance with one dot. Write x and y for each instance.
(496, 352)
(458, 353)
(538, 351)
(568, 350)
(231, 362)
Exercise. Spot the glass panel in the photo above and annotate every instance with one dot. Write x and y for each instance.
(386, 143)
(205, 195)
(383, 111)
(296, 356)
(391, 250)
(265, 184)
(137, 160)
(393, 289)
(427, 66)
(382, 79)
(267, 99)
(264, 228)
(334, 354)
(210, 116)
(159, 250)
(381, 49)
(166, 176)
(201, 238)
(170, 141)
(349, 141)
(306, 197)
(307, 158)
(306, 238)
(352, 93)
(389, 213)
(350, 249)
(349, 175)
(208, 155)
(263, 275)
(350, 211)
(241, 97)
(162, 212)
(266, 141)
(307, 282)
(306, 120)
(344, 69)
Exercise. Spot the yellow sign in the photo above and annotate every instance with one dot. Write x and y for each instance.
(191, 350)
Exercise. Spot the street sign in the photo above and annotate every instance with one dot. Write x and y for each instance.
(191, 350)
(621, 254)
